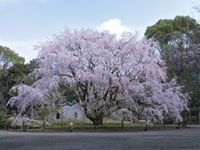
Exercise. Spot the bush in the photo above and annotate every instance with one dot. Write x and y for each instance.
(5, 122)
(194, 119)
(31, 123)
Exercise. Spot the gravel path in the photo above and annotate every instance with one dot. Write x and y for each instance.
(182, 139)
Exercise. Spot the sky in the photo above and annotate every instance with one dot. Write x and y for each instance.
(25, 23)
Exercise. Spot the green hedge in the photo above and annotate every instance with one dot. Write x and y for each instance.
(4, 120)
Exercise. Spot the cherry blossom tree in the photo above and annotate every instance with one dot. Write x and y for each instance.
(107, 74)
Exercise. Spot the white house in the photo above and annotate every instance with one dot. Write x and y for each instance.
(71, 112)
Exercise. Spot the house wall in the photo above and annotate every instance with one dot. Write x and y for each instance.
(72, 112)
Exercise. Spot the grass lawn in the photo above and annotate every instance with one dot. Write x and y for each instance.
(86, 124)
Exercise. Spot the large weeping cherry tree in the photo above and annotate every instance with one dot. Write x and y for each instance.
(107, 74)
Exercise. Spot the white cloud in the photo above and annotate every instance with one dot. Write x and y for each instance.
(115, 26)
(23, 48)
(26, 48)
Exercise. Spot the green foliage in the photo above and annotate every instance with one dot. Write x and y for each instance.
(194, 119)
(68, 93)
(176, 38)
(8, 58)
(12, 76)
(45, 111)
(4, 120)
(176, 32)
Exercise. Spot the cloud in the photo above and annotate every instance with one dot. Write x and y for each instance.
(23, 48)
(115, 26)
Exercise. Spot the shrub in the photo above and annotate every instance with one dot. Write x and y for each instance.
(194, 119)
(5, 122)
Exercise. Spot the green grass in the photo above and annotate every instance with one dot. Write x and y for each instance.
(87, 124)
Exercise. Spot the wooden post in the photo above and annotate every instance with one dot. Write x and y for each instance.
(146, 126)
(190, 118)
(122, 124)
(95, 126)
(24, 126)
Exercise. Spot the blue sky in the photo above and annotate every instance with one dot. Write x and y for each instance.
(24, 23)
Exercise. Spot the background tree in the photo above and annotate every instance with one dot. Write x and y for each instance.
(46, 113)
(8, 58)
(178, 43)
(106, 74)
(13, 72)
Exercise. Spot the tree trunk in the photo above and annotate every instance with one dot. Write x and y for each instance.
(97, 120)
(190, 117)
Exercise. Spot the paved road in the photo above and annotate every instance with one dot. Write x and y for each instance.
(182, 139)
